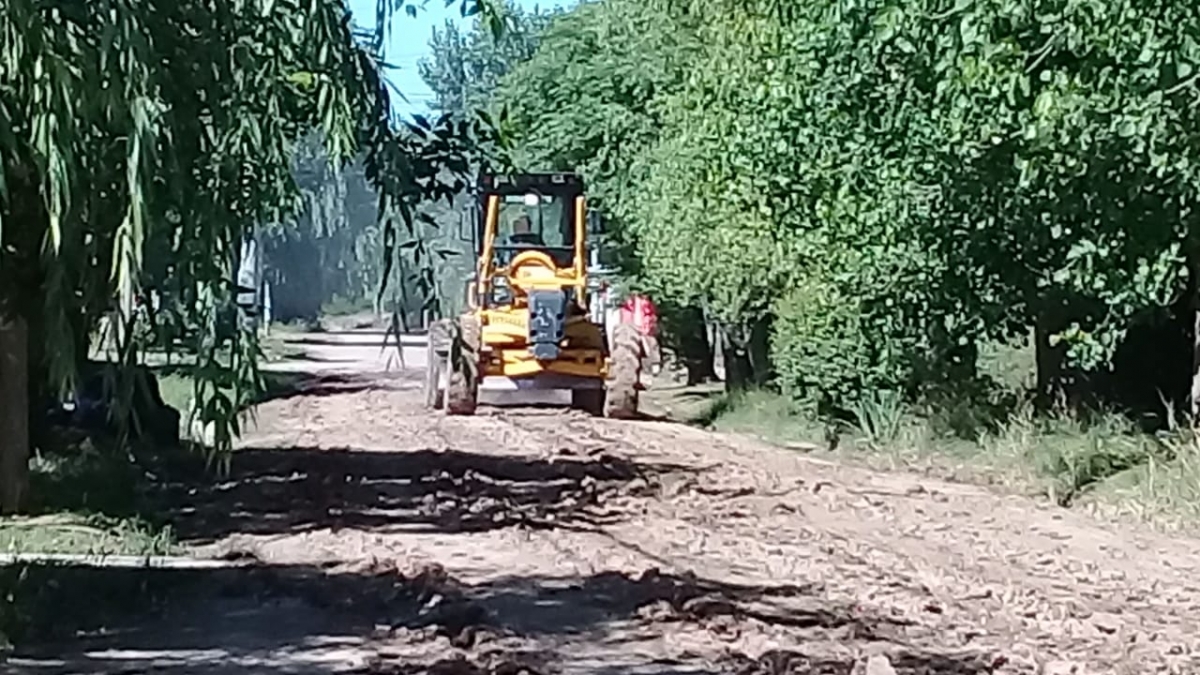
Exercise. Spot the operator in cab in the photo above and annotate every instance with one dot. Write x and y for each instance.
(523, 234)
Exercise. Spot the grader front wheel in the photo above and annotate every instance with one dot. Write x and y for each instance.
(437, 353)
(624, 373)
(462, 390)
(590, 401)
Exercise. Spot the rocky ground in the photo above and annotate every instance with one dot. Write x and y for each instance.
(366, 535)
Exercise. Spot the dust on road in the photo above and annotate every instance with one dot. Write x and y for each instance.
(381, 539)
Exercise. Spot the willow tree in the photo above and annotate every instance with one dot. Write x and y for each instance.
(125, 123)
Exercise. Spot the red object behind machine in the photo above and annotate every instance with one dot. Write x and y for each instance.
(641, 312)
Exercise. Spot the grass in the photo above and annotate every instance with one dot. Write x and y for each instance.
(176, 387)
(1103, 463)
(89, 501)
(340, 306)
(176, 391)
(84, 534)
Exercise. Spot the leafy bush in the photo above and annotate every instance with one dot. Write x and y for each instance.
(819, 349)
(913, 181)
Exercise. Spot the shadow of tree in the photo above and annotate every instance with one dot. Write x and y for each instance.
(286, 384)
(653, 596)
(423, 620)
(796, 662)
(82, 470)
(275, 491)
(357, 338)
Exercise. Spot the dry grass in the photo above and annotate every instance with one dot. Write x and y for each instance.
(1103, 464)
(83, 534)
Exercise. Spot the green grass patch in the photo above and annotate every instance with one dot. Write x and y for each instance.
(1102, 461)
(340, 306)
(764, 414)
(176, 387)
(87, 501)
(176, 390)
(85, 534)
(1165, 488)
(989, 436)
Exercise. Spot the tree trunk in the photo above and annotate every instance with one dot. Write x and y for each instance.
(758, 350)
(739, 367)
(1049, 363)
(14, 414)
(1192, 305)
(37, 377)
(1194, 392)
(738, 372)
(692, 344)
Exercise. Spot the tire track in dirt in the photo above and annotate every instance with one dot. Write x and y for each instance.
(650, 600)
(549, 542)
(984, 568)
(828, 625)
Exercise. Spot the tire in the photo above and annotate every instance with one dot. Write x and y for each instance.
(624, 373)
(435, 396)
(441, 332)
(590, 401)
(462, 392)
(438, 345)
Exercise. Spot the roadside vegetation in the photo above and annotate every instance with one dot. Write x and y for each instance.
(147, 169)
(138, 161)
(950, 235)
(1103, 462)
(876, 215)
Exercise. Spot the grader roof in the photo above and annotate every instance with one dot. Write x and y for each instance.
(559, 184)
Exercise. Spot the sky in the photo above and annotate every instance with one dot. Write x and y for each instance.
(409, 43)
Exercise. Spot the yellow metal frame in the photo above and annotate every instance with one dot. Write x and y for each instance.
(504, 330)
(575, 276)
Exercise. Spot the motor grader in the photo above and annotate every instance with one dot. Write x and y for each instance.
(535, 318)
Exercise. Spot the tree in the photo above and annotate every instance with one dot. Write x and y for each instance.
(170, 126)
(331, 248)
(880, 188)
(465, 70)
(592, 99)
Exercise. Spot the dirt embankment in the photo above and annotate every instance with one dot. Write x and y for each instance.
(386, 540)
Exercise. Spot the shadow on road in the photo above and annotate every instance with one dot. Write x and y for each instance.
(316, 358)
(284, 384)
(421, 620)
(291, 490)
(360, 338)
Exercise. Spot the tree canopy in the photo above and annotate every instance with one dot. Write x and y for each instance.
(143, 141)
(858, 194)
(881, 186)
(463, 70)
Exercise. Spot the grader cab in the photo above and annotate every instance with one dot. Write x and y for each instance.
(532, 320)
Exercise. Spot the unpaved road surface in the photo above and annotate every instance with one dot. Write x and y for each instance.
(378, 538)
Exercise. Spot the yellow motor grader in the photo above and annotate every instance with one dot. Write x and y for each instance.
(533, 320)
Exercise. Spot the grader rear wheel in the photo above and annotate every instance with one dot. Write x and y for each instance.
(624, 373)
(462, 392)
(437, 352)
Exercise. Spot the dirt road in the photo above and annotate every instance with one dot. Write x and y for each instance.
(377, 538)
